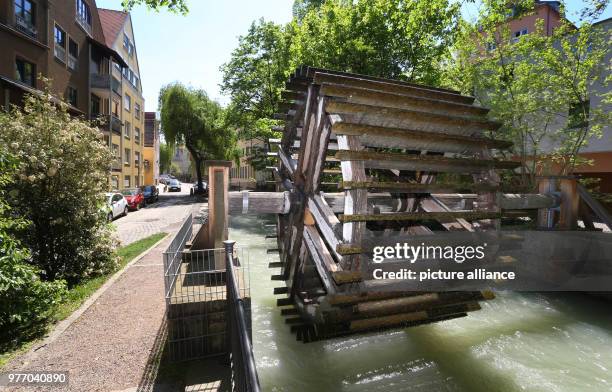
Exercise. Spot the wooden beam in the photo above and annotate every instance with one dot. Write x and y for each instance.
(355, 201)
(412, 119)
(416, 216)
(419, 162)
(378, 136)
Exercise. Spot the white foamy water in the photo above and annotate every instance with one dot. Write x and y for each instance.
(517, 342)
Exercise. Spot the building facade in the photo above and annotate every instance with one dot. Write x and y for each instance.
(81, 50)
(151, 149)
(243, 174)
(57, 40)
(126, 100)
(598, 150)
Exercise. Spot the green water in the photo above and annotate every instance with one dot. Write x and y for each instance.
(517, 342)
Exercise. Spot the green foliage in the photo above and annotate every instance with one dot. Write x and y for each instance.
(176, 6)
(61, 175)
(254, 78)
(26, 302)
(188, 116)
(536, 85)
(395, 39)
(406, 40)
(165, 157)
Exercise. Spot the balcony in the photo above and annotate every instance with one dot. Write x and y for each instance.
(116, 165)
(25, 27)
(105, 120)
(115, 124)
(102, 81)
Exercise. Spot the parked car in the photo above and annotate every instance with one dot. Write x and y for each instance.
(116, 205)
(194, 188)
(174, 185)
(150, 193)
(134, 197)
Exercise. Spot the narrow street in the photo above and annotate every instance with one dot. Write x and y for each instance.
(156, 217)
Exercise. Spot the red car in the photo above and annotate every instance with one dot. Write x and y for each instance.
(134, 197)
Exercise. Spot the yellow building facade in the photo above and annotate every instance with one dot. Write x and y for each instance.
(126, 102)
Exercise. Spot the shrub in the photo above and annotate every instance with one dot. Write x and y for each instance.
(61, 176)
(26, 302)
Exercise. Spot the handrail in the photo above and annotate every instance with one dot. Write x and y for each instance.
(595, 206)
(244, 371)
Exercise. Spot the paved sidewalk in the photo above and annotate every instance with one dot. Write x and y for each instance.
(108, 347)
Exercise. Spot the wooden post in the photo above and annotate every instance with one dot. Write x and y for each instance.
(546, 216)
(218, 177)
(568, 214)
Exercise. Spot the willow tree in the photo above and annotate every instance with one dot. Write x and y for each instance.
(190, 117)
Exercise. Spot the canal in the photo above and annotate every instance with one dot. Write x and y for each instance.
(517, 342)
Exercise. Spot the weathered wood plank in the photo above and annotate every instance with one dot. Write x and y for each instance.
(376, 136)
(412, 119)
(355, 201)
(431, 163)
(416, 216)
(371, 96)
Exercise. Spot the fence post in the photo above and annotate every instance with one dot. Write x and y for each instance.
(229, 252)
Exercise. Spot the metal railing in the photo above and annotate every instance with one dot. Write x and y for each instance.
(174, 253)
(244, 371)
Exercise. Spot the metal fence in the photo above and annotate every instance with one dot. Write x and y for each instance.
(172, 255)
(244, 372)
(196, 297)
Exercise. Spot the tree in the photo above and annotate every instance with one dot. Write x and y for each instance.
(165, 157)
(26, 302)
(532, 83)
(188, 116)
(406, 40)
(59, 187)
(176, 6)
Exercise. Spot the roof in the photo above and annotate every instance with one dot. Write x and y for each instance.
(112, 22)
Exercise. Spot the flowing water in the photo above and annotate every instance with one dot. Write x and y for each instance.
(517, 342)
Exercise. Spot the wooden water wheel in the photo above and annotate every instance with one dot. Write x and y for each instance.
(375, 139)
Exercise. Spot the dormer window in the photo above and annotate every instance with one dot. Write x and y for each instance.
(83, 15)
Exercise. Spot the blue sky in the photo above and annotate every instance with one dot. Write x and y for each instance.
(191, 48)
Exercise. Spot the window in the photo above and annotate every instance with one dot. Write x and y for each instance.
(127, 156)
(127, 102)
(136, 81)
(137, 158)
(518, 34)
(126, 181)
(115, 108)
(71, 95)
(25, 72)
(137, 134)
(128, 45)
(115, 182)
(128, 129)
(73, 54)
(83, 15)
(25, 13)
(137, 181)
(95, 105)
(578, 114)
(137, 110)
(59, 47)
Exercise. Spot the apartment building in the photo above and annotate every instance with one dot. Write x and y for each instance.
(598, 150)
(151, 148)
(126, 100)
(58, 40)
